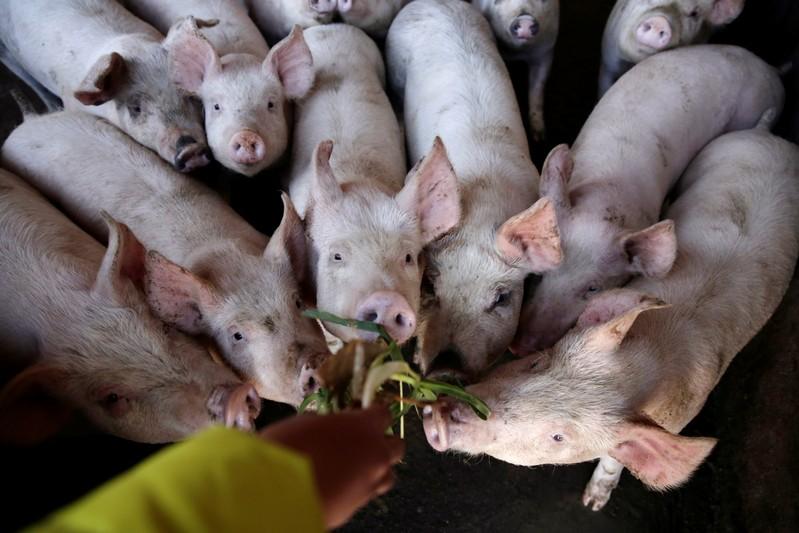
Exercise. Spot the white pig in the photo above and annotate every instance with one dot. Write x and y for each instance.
(610, 187)
(366, 231)
(230, 284)
(99, 58)
(372, 16)
(276, 18)
(637, 29)
(245, 88)
(73, 314)
(527, 31)
(443, 61)
(621, 387)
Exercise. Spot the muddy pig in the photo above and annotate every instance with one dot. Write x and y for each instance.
(75, 315)
(99, 58)
(245, 88)
(637, 29)
(620, 386)
(610, 187)
(444, 64)
(366, 231)
(217, 275)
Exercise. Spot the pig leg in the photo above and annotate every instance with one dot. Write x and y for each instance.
(537, 74)
(606, 477)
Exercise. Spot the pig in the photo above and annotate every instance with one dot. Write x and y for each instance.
(372, 16)
(366, 231)
(526, 31)
(75, 317)
(637, 29)
(99, 58)
(628, 378)
(209, 272)
(445, 66)
(276, 18)
(245, 88)
(610, 187)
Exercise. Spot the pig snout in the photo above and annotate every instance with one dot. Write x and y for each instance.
(324, 6)
(309, 379)
(237, 406)
(654, 32)
(247, 147)
(390, 310)
(439, 420)
(524, 27)
(190, 154)
(345, 5)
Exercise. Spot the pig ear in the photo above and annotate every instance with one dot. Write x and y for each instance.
(102, 81)
(660, 459)
(289, 240)
(291, 61)
(29, 412)
(177, 296)
(652, 251)
(124, 260)
(531, 239)
(611, 314)
(725, 11)
(555, 175)
(431, 193)
(191, 57)
(325, 187)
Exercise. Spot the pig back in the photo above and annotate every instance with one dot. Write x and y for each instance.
(657, 117)
(87, 165)
(444, 62)
(738, 234)
(349, 106)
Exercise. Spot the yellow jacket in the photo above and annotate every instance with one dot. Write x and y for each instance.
(222, 480)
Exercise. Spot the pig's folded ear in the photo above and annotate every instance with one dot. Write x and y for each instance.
(652, 251)
(291, 61)
(102, 81)
(191, 58)
(324, 187)
(555, 175)
(610, 315)
(531, 239)
(177, 296)
(289, 240)
(29, 412)
(431, 193)
(725, 11)
(123, 262)
(660, 459)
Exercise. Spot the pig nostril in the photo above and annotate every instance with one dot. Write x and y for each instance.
(400, 320)
(311, 382)
(648, 27)
(371, 316)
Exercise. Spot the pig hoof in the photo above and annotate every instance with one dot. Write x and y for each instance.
(597, 494)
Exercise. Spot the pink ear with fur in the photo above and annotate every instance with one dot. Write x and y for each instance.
(192, 58)
(102, 81)
(291, 61)
(555, 176)
(124, 260)
(725, 11)
(653, 250)
(532, 238)
(660, 459)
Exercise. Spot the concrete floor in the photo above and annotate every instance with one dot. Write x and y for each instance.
(749, 483)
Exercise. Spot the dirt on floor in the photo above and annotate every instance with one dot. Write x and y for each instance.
(749, 483)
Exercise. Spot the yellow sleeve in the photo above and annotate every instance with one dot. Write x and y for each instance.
(222, 480)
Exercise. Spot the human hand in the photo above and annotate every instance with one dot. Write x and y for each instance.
(351, 454)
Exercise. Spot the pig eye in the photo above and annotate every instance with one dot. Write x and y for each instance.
(337, 258)
(557, 437)
(238, 337)
(502, 299)
(693, 14)
(298, 302)
(591, 290)
(408, 259)
(115, 404)
(270, 105)
(216, 107)
(134, 110)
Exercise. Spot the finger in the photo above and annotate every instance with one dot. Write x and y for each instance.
(385, 484)
(379, 417)
(396, 449)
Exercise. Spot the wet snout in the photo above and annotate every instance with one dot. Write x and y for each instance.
(391, 310)
(654, 32)
(247, 147)
(324, 6)
(190, 154)
(524, 27)
(237, 406)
